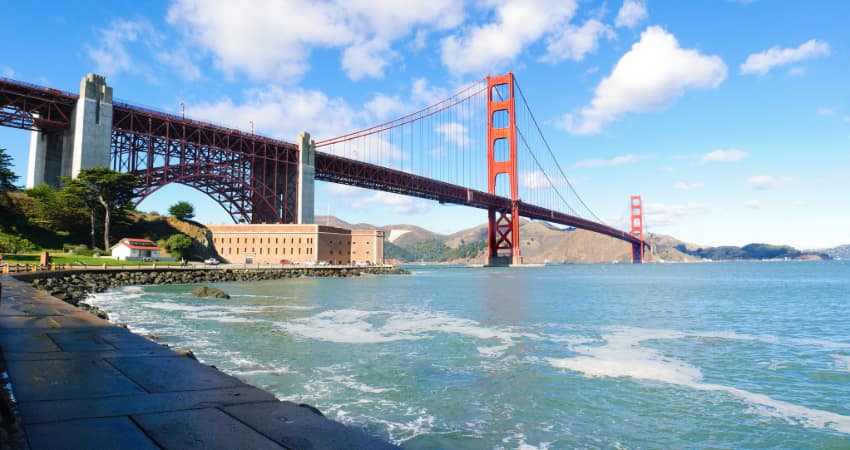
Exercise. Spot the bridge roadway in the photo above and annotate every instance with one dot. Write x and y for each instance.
(28, 106)
(81, 382)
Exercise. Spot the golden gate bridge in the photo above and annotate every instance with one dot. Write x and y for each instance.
(437, 153)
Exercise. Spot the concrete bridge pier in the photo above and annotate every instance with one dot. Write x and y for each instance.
(306, 178)
(85, 145)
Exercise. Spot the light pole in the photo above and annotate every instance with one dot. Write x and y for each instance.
(183, 110)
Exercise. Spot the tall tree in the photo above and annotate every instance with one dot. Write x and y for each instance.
(7, 177)
(107, 189)
(182, 210)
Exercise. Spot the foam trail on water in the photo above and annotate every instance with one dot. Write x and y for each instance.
(622, 356)
(351, 326)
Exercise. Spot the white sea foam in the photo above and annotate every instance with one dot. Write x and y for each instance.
(622, 356)
(352, 326)
(842, 361)
(351, 383)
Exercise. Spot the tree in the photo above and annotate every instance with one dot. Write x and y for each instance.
(182, 210)
(101, 187)
(7, 177)
(179, 245)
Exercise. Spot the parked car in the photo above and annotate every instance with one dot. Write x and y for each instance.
(361, 263)
(285, 262)
(323, 263)
(211, 261)
(310, 263)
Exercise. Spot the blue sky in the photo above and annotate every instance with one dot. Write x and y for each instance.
(731, 118)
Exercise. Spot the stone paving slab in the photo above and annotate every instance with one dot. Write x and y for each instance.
(202, 429)
(60, 410)
(295, 426)
(68, 379)
(176, 373)
(82, 382)
(45, 356)
(103, 433)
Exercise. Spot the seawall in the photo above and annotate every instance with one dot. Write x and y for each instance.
(79, 381)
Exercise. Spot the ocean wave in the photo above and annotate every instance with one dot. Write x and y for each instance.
(622, 356)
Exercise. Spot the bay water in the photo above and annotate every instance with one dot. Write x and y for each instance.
(709, 355)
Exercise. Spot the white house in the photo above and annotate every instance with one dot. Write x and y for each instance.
(132, 248)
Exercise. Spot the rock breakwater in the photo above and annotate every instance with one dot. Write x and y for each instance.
(74, 286)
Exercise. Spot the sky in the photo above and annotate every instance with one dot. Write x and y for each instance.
(730, 118)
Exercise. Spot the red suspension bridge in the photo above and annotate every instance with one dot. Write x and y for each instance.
(436, 153)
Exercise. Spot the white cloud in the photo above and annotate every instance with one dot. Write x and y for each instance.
(651, 76)
(764, 182)
(366, 59)
(682, 186)
(825, 111)
(424, 94)
(659, 214)
(764, 62)
(615, 161)
(384, 107)
(282, 113)
(720, 155)
(518, 23)
(574, 43)
(631, 14)
(114, 53)
(846, 119)
(455, 133)
(401, 204)
(536, 179)
(273, 39)
(7, 72)
(753, 204)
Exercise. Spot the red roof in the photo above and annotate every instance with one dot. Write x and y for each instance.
(139, 244)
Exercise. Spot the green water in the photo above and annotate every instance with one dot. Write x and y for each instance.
(720, 355)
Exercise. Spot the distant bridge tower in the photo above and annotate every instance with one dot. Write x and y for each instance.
(636, 212)
(86, 144)
(502, 224)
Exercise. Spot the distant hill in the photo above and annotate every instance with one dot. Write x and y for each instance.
(840, 252)
(543, 242)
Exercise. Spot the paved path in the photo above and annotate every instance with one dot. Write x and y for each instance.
(81, 382)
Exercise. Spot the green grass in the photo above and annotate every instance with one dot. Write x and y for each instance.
(79, 260)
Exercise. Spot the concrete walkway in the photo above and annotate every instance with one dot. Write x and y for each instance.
(81, 382)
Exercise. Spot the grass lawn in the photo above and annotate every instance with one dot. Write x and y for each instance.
(78, 260)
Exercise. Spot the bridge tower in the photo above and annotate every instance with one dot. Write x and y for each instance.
(86, 144)
(636, 212)
(502, 223)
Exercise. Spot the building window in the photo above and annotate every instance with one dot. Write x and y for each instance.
(299, 250)
(237, 240)
(275, 240)
(275, 250)
(291, 251)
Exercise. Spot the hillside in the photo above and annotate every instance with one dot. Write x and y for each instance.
(840, 252)
(543, 242)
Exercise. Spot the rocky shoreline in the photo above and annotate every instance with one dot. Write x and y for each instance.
(74, 286)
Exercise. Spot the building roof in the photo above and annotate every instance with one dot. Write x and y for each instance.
(137, 244)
